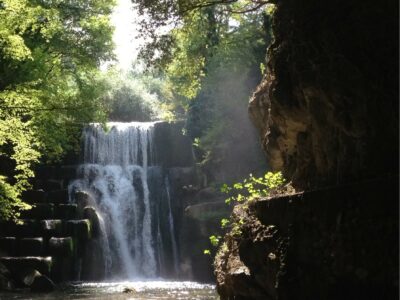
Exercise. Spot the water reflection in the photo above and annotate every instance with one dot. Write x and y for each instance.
(129, 290)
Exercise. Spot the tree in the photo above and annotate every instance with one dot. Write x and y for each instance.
(49, 85)
(211, 60)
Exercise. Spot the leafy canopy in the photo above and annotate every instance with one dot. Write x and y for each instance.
(50, 51)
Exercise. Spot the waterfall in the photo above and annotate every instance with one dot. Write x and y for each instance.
(118, 165)
(171, 227)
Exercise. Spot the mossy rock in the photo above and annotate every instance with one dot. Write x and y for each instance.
(63, 247)
(91, 214)
(79, 229)
(51, 227)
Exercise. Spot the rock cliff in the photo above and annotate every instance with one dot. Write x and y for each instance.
(327, 108)
(336, 243)
(327, 111)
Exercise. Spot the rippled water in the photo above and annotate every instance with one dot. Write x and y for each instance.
(143, 290)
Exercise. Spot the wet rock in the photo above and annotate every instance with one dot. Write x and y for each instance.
(199, 222)
(38, 282)
(83, 199)
(31, 246)
(61, 246)
(17, 264)
(90, 213)
(93, 262)
(129, 290)
(51, 227)
(28, 276)
(79, 229)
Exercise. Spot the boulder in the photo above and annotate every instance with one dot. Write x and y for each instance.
(61, 246)
(27, 276)
(31, 246)
(41, 283)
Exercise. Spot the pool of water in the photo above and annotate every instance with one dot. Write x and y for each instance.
(132, 290)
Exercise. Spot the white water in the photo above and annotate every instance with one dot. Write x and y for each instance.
(115, 172)
(171, 227)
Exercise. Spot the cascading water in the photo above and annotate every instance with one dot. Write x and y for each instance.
(118, 167)
(171, 226)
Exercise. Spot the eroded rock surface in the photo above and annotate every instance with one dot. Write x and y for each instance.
(327, 108)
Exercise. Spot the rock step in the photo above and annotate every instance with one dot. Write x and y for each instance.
(28, 228)
(17, 265)
(40, 211)
(37, 246)
(58, 196)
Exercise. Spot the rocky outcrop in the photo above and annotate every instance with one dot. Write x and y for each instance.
(327, 108)
(336, 243)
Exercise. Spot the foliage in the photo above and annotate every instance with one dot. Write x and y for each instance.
(172, 13)
(249, 189)
(254, 187)
(136, 97)
(49, 85)
(212, 70)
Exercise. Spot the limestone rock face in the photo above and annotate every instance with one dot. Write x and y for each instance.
(327, 108)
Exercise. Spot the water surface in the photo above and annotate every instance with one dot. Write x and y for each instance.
(132, 290)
